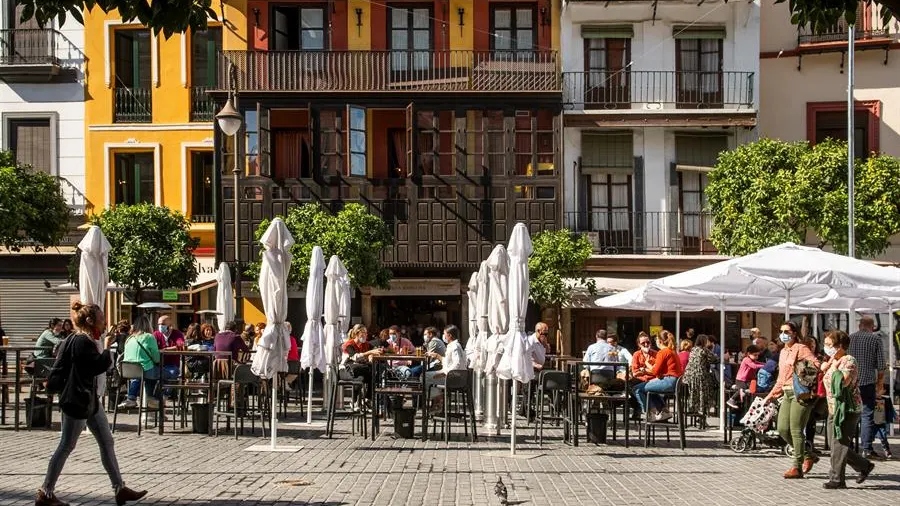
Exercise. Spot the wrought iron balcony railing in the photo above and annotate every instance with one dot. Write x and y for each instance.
(133, 105)
(657, 89)
(203, 108)
(35, 55)
(839, 33)
(76, 200)
(627, 232)
(392, 71)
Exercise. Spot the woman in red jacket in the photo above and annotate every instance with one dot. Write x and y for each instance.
(665, 372)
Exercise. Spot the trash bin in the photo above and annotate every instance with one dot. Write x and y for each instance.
(200, 418)
(36, 416)
(404, 420)
(596, 427)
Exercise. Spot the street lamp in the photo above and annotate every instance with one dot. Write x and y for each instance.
(230, 120)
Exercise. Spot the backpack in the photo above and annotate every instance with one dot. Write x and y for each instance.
(806, 382)
(61, 371)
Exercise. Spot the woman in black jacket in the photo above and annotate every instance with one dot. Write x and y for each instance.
(79, 361)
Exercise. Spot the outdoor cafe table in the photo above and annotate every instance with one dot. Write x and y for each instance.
(379, 364)
(17, 381)
(575, 366)
(181, 383)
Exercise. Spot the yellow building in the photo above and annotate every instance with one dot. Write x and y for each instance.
(148, 121)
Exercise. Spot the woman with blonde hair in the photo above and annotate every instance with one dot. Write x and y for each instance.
(684, 352)
(665, 371)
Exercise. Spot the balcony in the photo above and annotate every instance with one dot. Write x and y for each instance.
(392, 71)
(35, 55)
(132, 105)
(75, 199)
(626, 232)
(838, 35)
(657, 90)
(203, 108)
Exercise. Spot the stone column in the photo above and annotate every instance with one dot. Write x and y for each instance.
(366, 309)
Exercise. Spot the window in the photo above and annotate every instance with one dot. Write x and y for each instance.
(410, 38)
(829, 120)
(132, 59)
(298, 28)
(204, 47)
(331, 142)
(29, 142)
(513, 30)
(134, 178)
(606, 63)
(357, 140)
(251, 140)
(696, 224)
(698, 68)
(201, 184)
(610, 210)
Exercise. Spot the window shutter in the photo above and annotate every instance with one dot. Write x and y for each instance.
(265, 163)
(607, 31)
(698, 32)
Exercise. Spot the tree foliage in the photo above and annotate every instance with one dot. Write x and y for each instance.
(821, 15)
(33, 211)
(166, 16)
(770, 191)
(151, 247)
(354, 234)
(558, 256)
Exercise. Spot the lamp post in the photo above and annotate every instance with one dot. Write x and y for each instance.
(230, 120)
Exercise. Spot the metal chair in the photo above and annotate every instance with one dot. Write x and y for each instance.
(288, 391)
(554, 386)
(457, 383)
(39, 375)
(340, 387)
(678, 396)
(245, 392)
(130, 371)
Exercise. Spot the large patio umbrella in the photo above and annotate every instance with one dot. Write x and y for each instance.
(498, 324)
(224, 296)
(273, 347)
(313, 355)
(472, 344)
(516, 362)
(93, 279)
(482, 305)
(346, 304)
(332, 309)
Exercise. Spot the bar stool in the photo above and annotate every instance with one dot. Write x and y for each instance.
(355, 387)
(455, 384)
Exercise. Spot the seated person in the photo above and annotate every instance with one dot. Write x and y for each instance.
(229, 340)
(433, 344)
(768, 374)
(746, 373)
(141, 347)
(169, 338)
(643, 357)
(538, 346)
(49, 340)
(454, 359)
(601, 351)
(355, 361)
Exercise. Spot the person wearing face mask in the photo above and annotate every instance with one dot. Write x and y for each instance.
(169, 338)
(841, 381)
(792, 414)
(355, 353)
(664, 373)
(433, 344)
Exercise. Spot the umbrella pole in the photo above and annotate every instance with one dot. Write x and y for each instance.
(309, 392)
(273, 430)
(512, 437)
(816, 324)
(891, 359)
(677, 329)
(787, 305)
(722, 368)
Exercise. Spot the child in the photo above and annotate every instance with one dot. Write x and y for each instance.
(747, 371)
(884, 416)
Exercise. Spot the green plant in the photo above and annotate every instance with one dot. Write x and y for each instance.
(33, 211)
(354, 234)
(151, 247)
(167, 16)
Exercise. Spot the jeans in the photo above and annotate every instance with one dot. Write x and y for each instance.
(867, 425)
(881, 432)
(150, 379)
(70, 432)
(792, 418)
(841, 451)
(654, 386)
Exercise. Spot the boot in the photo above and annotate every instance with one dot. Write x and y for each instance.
(125, 495)
(43, 499)
(793, 474)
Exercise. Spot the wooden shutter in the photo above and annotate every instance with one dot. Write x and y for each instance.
(265, 140)
(412, 167)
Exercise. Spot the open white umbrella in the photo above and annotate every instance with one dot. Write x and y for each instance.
(93, 279)
(516, 362)
(224, 296)
(273, 347)
(313, 355)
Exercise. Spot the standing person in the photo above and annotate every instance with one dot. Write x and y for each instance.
(664, 372)
(46, 344)
(700, 383)
(866, 347)
(793, 414)
(844, 402)
(169, 338)
(82, 363)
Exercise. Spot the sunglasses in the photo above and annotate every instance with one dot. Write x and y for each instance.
(644, 343)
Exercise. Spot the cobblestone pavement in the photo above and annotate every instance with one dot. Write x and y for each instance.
(188, 469)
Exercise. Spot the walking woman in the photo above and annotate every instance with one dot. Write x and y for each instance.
(700, 383)
(81, 363)
(844, 405)
(793, 413)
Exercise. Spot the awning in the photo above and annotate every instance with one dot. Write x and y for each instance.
(581, 298)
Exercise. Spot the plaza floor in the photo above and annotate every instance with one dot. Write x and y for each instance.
(189, 469)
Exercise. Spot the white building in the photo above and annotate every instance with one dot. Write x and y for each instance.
(651, 96)
(42, 122)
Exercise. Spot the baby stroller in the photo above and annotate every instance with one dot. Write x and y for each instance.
(759, 429)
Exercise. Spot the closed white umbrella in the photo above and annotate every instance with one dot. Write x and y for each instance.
(274, 345)
(93, 279)
(472, 344)
(498, 305)
(224, 296)
(482, 303)
(333, 288)
(346, 305)
(516, 362)
(313, 356)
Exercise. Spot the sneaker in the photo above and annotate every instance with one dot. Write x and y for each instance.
(872, 455)
(733, 405)
(865, 473)
(128, 404)
(652, 414)
(888, 454)
(152, 404)
(663, 415)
